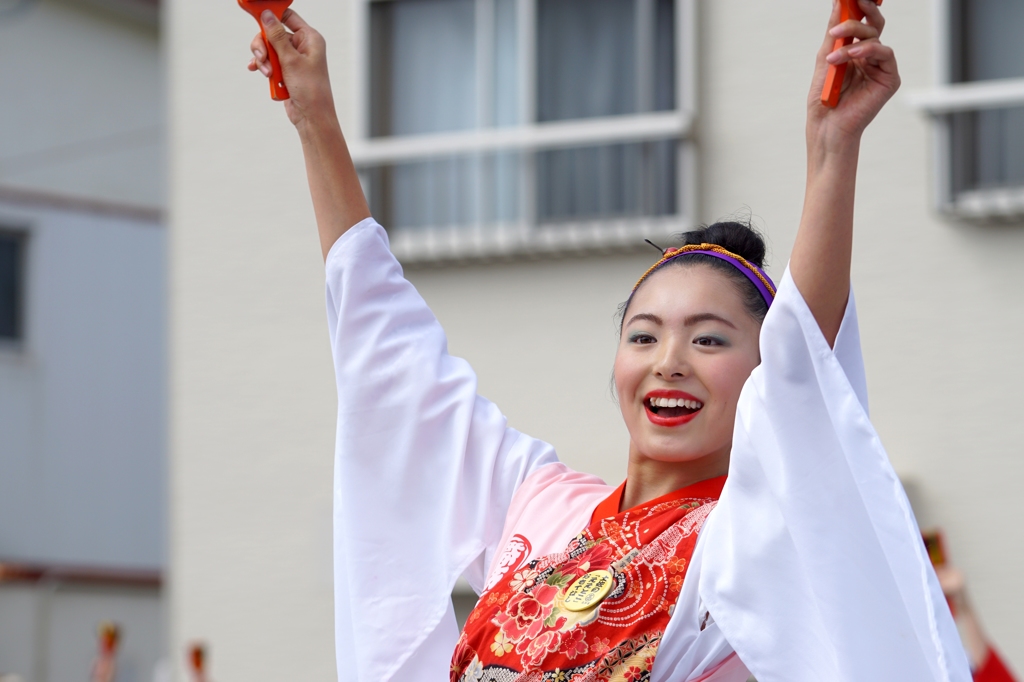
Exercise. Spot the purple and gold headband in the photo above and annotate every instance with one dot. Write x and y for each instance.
(755, 274)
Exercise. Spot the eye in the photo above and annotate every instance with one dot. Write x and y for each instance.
(642, 338)
(709, 341)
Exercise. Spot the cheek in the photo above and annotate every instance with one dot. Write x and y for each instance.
(725, 379)
(627, 374)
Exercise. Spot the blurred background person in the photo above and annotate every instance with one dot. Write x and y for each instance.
(986, 664)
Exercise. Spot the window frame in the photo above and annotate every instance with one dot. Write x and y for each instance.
(527, 236)
(946, 98)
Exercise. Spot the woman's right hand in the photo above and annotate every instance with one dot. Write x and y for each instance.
(333, 182)
(303, 55)
(872, 78)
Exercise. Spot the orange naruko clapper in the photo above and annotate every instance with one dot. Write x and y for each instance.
(837, 72)
(278, 91)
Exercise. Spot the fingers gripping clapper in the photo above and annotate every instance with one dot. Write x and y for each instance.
(837, 72)
(278, 91)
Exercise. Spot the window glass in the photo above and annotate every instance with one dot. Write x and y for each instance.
(665, 56)
(586, 58)
(604, 57)
(447, 191)
(991, 42)
(618, 180)
(423, 66)
(988, 149)
(506, 69)
(11, 260)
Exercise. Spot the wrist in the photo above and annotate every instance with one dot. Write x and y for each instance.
(833, 134)
(824, 152)
(318, 122)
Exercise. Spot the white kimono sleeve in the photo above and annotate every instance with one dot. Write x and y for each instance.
(425, 469)
(813, 566)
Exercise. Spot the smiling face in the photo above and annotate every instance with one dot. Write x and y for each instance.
(688, 345)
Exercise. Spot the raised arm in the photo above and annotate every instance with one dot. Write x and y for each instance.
(333, 183)
(820, 263)
(425, 468)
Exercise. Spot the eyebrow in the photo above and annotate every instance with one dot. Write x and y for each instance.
(706, 317)
(645, 316)
(689, 321)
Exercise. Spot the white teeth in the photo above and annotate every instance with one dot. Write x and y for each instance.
(676, 402)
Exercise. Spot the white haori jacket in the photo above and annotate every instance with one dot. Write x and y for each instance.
(811, 566)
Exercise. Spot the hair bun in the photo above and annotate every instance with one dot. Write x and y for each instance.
(740, 238)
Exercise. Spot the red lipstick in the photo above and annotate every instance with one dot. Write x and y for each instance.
(670, 416)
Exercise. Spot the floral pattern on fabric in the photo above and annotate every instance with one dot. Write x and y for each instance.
(521, 630)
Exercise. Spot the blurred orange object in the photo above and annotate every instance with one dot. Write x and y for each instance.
(197, 662)
(935, 545)
(278, 91)
(837, 72)
(105, 667)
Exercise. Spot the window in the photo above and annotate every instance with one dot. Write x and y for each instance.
(504, 126)
(12, 269)
(988, 143)
(979, 109)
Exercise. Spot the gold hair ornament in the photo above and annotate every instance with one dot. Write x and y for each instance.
(740, 261)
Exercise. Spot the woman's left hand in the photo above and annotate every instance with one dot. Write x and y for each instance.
(871, 78)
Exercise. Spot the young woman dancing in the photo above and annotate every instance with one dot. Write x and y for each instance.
(760, 528)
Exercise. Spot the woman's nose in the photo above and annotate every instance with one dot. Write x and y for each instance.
(671, 362)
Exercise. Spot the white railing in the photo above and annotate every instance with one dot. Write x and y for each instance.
(555, 135)
(949, 99)
(439, 244)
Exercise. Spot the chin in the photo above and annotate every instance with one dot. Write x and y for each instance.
(662, 451)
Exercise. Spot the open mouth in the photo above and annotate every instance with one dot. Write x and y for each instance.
(671, 410)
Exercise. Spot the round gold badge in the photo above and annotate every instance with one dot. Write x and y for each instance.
(588, 591)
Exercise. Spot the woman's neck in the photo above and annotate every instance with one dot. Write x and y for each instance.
(647, 479)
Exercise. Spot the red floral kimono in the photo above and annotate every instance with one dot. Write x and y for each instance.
(521, 629)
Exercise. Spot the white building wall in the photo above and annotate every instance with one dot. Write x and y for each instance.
(82, 111)
(252, 395)
(82, 398)
(252, 390)
(82, 436)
